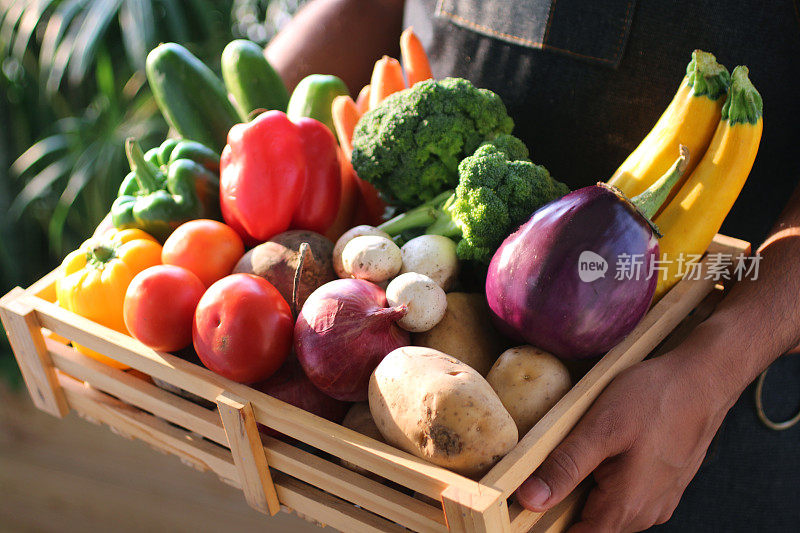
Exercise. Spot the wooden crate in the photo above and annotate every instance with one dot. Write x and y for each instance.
(275, 474)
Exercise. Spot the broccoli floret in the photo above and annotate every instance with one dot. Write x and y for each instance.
(410, 145)
(512, 147)
(495, 194)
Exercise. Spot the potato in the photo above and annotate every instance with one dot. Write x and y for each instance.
(438, 408)
(276, 261)
(465, 332)
(359, 419)
(529, 381)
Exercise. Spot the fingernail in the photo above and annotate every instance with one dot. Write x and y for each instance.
(533, 493)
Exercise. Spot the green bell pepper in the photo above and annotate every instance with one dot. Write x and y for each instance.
(169, 185)
(313, 97)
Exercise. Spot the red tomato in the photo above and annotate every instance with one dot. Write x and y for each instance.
(208, 248)
(243, 328)
(159, 306)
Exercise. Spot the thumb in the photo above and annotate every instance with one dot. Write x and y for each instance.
(570, 463)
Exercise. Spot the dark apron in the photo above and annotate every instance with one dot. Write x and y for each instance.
(584, 82)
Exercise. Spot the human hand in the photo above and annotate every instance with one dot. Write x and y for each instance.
(644, 438)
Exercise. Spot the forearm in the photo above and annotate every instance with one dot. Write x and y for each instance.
(757, 321)
(341, 37)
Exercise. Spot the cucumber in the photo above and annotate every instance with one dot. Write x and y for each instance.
(191, 97)
(251, 80)
(313, 97)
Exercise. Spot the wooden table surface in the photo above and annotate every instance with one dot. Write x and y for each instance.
(71, 475)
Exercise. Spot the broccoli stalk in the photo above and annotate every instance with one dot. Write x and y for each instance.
(495, 194)
(420, 217)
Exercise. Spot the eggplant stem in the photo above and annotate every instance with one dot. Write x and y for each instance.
(298, 273)
(649, 202)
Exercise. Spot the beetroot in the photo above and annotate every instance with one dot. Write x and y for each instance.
(291, 385)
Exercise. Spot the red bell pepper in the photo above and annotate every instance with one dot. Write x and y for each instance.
(276, 174)
(321, 197)
(262, 176)
(350, 196)
(370, 206)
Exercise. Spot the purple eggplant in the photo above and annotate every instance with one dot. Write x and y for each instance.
(567, 280)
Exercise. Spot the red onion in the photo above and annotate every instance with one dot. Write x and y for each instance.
(343, 332)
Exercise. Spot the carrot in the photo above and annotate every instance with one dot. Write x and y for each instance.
(362, 102)
(415, 61)
(387, 78)
(345, 117)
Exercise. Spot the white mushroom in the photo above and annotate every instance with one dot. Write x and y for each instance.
(433, 256)
(346, 237)
(425, 299)
(371, 257)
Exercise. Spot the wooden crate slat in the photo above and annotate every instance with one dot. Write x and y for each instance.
(137, 392)
(523, 520)
(542, 439)
(728, 245)
(45, 288)
(27, 342)
(309, 468)
(158, 433)
(248, 453)
(314, 503)
(383, 459)
(560, 517)
(353, 487)
(486, 512)
(330, 510)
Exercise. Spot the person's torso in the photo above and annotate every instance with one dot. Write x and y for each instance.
(585, 81)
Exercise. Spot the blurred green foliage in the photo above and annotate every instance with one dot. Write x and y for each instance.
(73, 88)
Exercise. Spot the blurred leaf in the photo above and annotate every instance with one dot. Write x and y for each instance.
(92, 30)
(138, 23)
(10, 20)
(57, 26)
(202, 11)
(104, 74)
(38, 152)
(175, 21)
(77, 181)
(36, 188)
(30, 21)
(63, 53)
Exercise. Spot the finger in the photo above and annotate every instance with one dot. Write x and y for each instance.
(621, 501)
(608, 511)
(590, 443)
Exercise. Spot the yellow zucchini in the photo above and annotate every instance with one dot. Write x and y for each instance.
(695, 215)
(689, 119)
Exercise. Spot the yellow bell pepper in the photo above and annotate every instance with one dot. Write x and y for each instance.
(96, 276)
